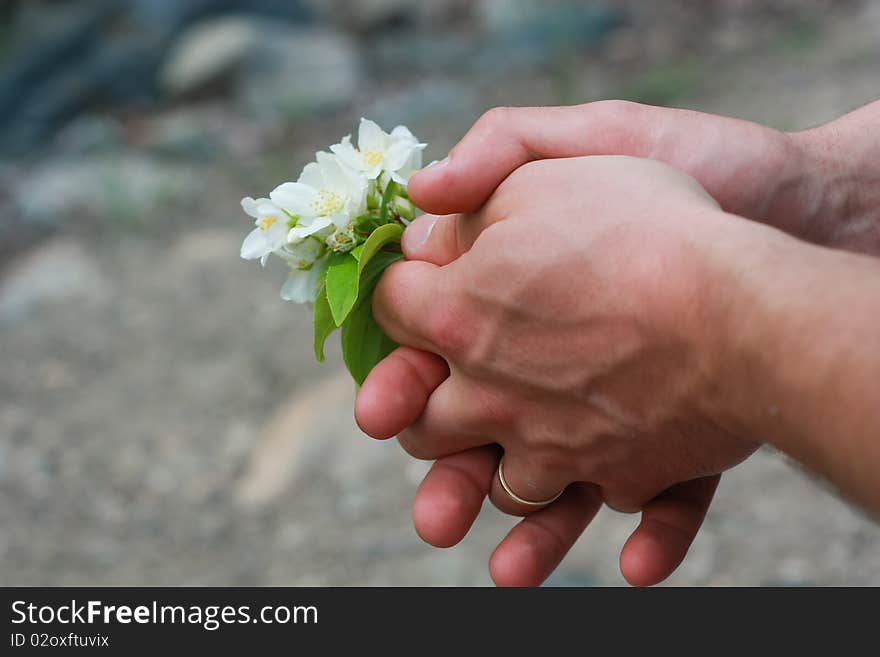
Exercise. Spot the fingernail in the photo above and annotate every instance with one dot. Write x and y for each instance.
(418, 232)
(437, 164)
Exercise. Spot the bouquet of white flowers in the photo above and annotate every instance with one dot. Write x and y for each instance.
(337, 228)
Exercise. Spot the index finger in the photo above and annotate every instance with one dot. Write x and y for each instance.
(505, 138)
(416, 305)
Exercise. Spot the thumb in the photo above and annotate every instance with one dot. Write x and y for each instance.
(433, 239)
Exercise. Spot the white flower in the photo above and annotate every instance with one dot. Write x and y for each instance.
(301, 255)
(271, 229)
(335, 197)
(399, 153)
(302, 284)
(409, 167)
(326, 193)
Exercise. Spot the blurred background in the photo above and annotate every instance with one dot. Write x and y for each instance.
(161, 417)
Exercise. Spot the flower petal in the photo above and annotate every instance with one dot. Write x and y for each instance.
(402, 132)
(371, 173)
(316, 275)
(296, 287)
(249, 206)
(303, 254)
(340, 220)
(311, 176)
(347, 154)
(255, 245)
(342, 180)
(295, 197)
(276, 235)
(398, 154)
(302, 230)
(266, 208)
(370, 136)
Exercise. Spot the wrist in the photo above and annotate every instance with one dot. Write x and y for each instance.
(763, 311)
(801, 356)
(734, 298)
(838, 190)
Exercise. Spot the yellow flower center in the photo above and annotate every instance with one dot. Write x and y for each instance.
(327, 203)
(373, 157)
(267, 222)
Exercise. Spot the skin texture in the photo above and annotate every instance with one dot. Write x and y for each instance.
(819, 185)
(798, 182)
(601, 381)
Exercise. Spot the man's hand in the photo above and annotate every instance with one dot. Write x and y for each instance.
(571, 248)
(819, 185)
(585, 325)
(816, 184)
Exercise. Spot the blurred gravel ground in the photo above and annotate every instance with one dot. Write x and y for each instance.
(162, 421)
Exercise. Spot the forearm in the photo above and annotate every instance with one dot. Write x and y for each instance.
(807, 357)
(838, 195)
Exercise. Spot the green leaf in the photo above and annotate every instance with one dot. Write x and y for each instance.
(373, 270)
(386, 200)
(324, 324)
(345, 273)
(363, 342)
(342, 286)
(389, 233)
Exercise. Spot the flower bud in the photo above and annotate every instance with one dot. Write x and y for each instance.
(342, 241)
(404, 208)
(303, 254)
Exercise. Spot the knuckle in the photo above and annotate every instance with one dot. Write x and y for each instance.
(615, 108)
(629, 497)
(495, 411)
(546, 452)
(621, 500)
(529, 441)
(552, 461)
(496, 119)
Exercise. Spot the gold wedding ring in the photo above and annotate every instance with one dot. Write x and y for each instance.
(517, 498)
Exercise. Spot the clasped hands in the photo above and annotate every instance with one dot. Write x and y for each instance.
(574, 304)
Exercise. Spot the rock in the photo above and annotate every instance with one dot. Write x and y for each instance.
(205, 131)
(70, 63)
(511, 35)
(56, 271)
(500, 16)
(192, 133)
(205, 247)
(90, 134)
(294, 72)
(277, 69)
(410, 54)
(64, 58)
(4, 460)
(121, 189)
(207, 52)
(278, 452)
(373, 15)
(451, 103)
(50, 45)
(525, 33)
